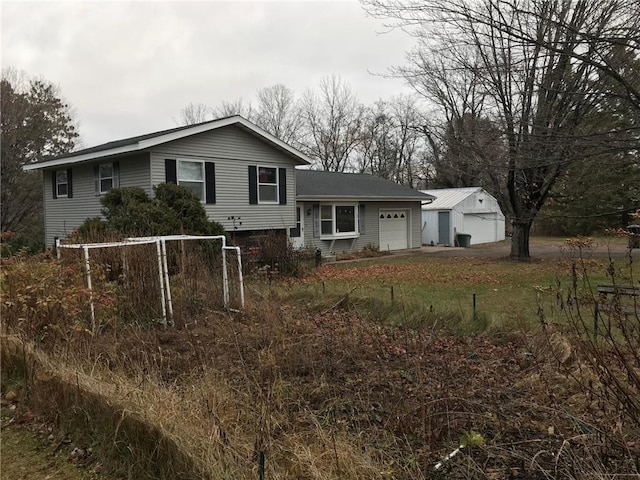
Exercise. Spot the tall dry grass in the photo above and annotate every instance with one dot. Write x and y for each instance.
(324, 394)
(202, 427)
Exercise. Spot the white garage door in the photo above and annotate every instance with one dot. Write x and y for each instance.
(394, 229)
(481, 227)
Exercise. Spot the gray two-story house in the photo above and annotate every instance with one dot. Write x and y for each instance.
(244, 176)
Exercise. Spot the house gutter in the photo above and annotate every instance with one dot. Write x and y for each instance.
(330, 198)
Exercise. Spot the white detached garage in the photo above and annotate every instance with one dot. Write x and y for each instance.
(469, 210)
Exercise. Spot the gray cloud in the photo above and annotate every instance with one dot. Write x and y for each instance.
(129, 67)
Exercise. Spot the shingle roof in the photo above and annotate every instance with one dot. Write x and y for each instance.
(316, 185)
(128, 141)
(142, 142)
(447, 198)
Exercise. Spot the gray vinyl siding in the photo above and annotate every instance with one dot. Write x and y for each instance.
(134, 172)
(233, 150)
(63, 215)
(371, 233)
(416, 224)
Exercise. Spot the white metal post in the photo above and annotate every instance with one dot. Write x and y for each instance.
(161, 278)
(167, 282)
(240, 280)
(87, 272)
(225, 284)
(125, 264)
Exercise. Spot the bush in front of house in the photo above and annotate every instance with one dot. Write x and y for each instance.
(130, 211)
(187, 208)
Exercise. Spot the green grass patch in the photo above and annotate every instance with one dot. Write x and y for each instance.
(27, 455)
(422, 290)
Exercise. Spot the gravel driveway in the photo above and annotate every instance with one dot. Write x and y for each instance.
(538, 248)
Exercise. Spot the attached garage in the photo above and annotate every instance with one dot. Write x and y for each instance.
(471, 211)
(347, 212)
(394, 229)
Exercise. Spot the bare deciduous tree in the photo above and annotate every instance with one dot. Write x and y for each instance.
(332, 123)
(237, 107)
(392, 145)
(538, 70)
(194, 113)
(278, 113)
(465, 143)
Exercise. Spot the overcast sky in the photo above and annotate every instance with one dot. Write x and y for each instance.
(128, 68)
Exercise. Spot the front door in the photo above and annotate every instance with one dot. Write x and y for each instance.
(297, 233)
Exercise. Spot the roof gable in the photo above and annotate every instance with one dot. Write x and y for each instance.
(143, 142)
(320, 185)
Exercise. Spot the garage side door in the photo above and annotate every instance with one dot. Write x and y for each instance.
(444, 228)
(394, 229)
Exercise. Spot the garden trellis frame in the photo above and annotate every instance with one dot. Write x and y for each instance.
(163, 271)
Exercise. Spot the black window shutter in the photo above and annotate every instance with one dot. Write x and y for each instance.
(170, 171)
(210, 181)
(316, 221)
(96, 178)
(253, 185)
(69, 183)
(54, 185)
(361, 218)
(116, 174)
(282, 185)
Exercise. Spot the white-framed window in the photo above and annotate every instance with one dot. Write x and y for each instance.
(62, 184)
(191, 174)
(106, 177)
(339, 220)
(267, 185)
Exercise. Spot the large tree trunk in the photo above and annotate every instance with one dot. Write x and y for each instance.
(520, 241)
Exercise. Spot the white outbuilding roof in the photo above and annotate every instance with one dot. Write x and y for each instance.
(447, 198)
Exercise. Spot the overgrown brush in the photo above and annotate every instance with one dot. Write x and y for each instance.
(42, 297)
(368, 251)
(599, 350)
(12, 244)
(607, 332)
(143, 431)
(46, 298)
(272, 256)
(331, 389)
